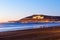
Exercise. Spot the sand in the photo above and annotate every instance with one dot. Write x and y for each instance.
(50, 33)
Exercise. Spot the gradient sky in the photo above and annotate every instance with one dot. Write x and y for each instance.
(17, 9)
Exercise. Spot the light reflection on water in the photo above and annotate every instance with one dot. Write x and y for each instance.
(19, 26)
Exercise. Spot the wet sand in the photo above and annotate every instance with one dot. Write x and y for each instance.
(50, 33)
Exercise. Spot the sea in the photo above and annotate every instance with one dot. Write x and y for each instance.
(4, 27)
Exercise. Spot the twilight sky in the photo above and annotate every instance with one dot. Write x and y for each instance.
(17, 9)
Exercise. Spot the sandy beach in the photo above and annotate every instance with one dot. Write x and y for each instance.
(50, 33)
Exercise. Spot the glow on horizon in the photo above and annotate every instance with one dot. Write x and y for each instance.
(17, 9)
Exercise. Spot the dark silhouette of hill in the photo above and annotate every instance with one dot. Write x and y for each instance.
(39, 18)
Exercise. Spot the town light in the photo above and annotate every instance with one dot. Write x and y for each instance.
(38, 17)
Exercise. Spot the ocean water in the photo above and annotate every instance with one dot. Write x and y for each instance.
(23, 26)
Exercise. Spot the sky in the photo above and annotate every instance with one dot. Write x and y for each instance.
(17, 9)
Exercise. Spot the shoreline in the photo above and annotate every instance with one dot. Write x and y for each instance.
(32, 34)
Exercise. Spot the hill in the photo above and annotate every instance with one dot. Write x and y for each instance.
(39, 18)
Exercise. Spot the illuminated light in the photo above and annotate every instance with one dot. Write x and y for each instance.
(38, 17)
(34, 17)
(46, 21)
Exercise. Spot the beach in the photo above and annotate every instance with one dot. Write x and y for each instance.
(50, 33)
